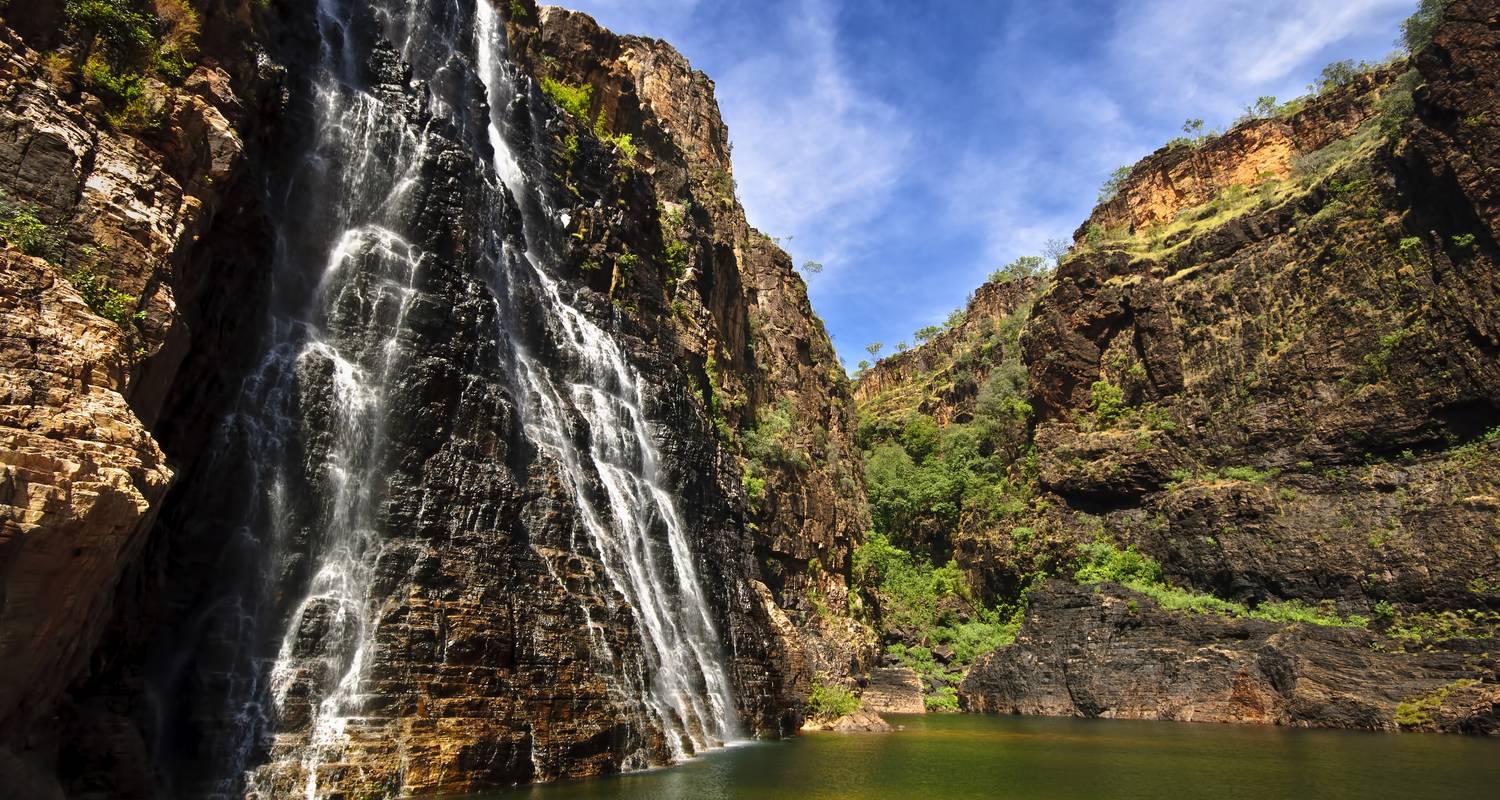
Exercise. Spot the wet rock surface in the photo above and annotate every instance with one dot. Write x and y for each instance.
(497, 651)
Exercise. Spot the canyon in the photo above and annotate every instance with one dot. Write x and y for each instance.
(399, 402)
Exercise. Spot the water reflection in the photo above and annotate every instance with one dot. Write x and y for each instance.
(963, 756)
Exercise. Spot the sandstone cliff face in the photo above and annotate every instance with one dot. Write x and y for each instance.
(83, 474)
(1188, 173)
(1307, 399)
(738, 315)
(941, 377)
(1269, 365)
(1114, 653)
(485, 663)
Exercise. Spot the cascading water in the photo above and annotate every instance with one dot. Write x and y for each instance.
(315, 421)
(687, 687)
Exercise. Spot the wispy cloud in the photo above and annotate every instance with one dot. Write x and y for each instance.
(913, 149)
(816, 156)
(1209, 56)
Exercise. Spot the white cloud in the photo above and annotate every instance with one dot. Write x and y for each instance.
(816, 157)
(1215, 56)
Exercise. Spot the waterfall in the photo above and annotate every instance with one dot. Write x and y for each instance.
(312, 430)
(687, 689)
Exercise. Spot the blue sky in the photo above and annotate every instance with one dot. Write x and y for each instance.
(913, 147)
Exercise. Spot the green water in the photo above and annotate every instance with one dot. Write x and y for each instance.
(969, 756)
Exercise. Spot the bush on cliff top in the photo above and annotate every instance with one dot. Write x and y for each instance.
(115, 47)
(1417, 30)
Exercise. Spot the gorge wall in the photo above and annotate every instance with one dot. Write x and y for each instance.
(1264, 423)
(403, 399)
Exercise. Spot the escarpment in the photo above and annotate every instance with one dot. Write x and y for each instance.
(108, 235)
(1262, 407)
(500, 447)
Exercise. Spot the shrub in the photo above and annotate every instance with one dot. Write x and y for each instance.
(22, 226)
(1101, 561)
(1108, 401)
(112, 304)
(1248, 474)
(115, 24)
(576, 100)
(926, 333)
(945, 699)
(830, 701)
(1337, 75)
(1026, 266)
(770, 441)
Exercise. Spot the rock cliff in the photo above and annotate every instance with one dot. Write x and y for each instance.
(138, 360)
(1266, 370)
(104, 238)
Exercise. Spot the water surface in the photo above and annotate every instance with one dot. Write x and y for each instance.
(971, 756)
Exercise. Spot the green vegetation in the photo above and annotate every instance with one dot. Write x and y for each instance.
(1417, 30)
(931, 610)
(1417, 712)
(578, 101)
(1248, 474)
(1021, 269)
(830, 700)
(674, 241)
(22, 227)
(1463, 241)
(115, 47)
(1107, 401)
(1429, 630)
(112, 304)
(770, 441)
(1114, 183)
(1102, 561)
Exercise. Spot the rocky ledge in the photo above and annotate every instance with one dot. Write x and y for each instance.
(1111, 652)
(861, 721)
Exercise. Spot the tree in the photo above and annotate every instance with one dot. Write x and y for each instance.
(863, 365)
(1114, 183)
(1264, 107)
(1193, 128)
(873, 348)
(901, 347)
(1417, 30)
(812, 267)
(923, 334)
(1056, 250)
(1022, 268)
(1337, 75)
